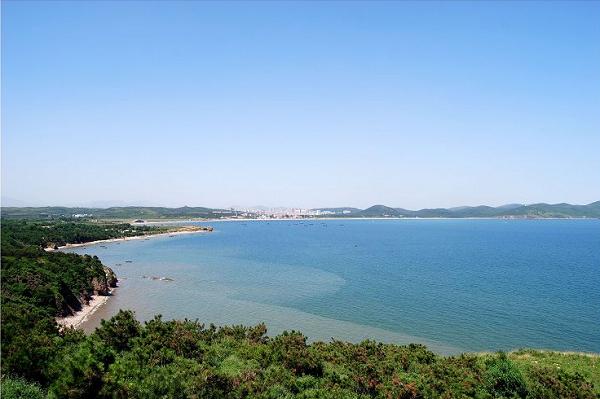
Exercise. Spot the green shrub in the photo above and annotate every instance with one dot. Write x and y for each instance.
(504, 379)
(18, 388)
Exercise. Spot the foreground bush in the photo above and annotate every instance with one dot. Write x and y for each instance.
(185, 359)
(17, 388)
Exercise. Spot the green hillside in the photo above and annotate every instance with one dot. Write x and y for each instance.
(379, 211)
(129, 212)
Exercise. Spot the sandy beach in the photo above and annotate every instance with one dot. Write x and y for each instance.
(85, 244)
(80, 317)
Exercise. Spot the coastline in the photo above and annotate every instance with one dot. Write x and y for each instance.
(76, 320)
(80, 317)
(341, 218)
(95, 315)
(110, 240)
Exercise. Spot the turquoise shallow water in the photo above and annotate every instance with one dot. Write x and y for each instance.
(455, 285)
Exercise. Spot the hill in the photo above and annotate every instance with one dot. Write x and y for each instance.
(379, 211)
(513, 210)
(540, 210)
(128, 212)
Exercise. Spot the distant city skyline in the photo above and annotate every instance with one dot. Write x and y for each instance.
(315, 104)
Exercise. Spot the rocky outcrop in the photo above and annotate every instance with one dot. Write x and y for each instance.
(68, 303)
(158, 278)
(111, 277)
(71, 303)
(102, 285)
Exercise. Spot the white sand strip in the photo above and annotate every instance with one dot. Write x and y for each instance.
(80, 317)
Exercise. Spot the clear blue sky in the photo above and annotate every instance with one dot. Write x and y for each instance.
(300, 104)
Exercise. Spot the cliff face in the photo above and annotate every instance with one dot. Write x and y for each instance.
(102, 285)
(111, 277)
(99, 286)
(68, 303)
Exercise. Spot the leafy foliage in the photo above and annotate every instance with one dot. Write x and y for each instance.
(185, 359)
(18, 388)
(504, 379)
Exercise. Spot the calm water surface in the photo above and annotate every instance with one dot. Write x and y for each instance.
(455, 285)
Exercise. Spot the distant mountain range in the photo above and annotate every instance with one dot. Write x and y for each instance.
(138, 212)
(511, 210)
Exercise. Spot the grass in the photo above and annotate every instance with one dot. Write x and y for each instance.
(586, 364)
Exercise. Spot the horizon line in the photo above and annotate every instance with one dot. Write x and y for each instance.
(293, 207)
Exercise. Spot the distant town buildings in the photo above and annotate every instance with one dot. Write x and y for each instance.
(81, 215)
(279, 213)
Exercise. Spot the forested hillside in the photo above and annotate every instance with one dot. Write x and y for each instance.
(126, 212)
(511, 211)
(53, 233)
(38, 286)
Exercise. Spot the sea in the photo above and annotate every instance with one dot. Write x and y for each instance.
(454, 285)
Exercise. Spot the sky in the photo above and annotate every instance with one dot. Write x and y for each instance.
(300, 104)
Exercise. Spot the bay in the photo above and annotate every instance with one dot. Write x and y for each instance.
(453, 285)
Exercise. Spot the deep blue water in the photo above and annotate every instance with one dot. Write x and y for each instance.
(455, 285)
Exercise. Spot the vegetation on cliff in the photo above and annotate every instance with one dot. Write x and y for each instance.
(38, 286)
